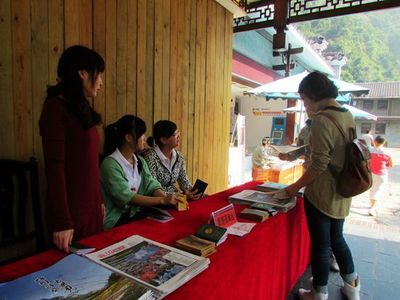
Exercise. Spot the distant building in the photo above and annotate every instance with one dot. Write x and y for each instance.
(336, 59)
(254, 64)
(383, 101)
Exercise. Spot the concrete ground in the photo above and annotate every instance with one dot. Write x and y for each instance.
(374, 242)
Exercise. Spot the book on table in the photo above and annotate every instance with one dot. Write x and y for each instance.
(251, 196)
(270, 186)
(212, 233)
(158, 214)
(265, 207)
(254, 214)
(135, 268)
(196, 245)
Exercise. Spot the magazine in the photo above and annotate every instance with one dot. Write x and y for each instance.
(157, 266)
(74, 277)
(251, 196)
(269, 186)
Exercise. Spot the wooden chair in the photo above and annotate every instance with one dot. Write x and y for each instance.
(20, 209)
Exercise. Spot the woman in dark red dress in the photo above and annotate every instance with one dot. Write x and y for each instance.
(71, 147)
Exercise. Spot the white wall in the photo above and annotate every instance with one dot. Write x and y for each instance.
(259, 113)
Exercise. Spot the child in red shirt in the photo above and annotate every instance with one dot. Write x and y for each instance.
(380, 162)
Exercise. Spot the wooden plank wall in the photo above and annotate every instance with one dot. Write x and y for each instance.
(165, 59)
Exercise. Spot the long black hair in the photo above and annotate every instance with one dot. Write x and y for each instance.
(317, 87)
(163, 128)
(74, 59)
(115, 132)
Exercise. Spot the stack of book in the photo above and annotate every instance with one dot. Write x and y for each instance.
(254, 214)
(204, 241)
(195, 245)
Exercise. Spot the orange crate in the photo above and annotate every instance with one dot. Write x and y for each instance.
(287, 176)
(274, 176)
(260, 174)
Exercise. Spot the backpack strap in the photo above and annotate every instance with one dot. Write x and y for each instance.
(333, 120)
(352, 131)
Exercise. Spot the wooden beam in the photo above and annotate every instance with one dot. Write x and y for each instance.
(345, 11)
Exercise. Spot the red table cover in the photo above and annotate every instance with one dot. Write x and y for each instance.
(264, 264)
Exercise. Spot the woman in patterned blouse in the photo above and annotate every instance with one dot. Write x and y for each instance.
(166, 164)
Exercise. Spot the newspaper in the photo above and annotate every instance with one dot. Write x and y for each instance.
(251, 196)
(286, 149)
(160, 267)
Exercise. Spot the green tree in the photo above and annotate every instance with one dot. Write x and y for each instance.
(370, 41)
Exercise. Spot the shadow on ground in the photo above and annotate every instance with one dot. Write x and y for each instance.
(378, 263)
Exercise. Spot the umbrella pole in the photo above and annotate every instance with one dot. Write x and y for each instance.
(301, 121)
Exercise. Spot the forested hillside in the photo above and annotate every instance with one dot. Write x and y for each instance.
(370, 41)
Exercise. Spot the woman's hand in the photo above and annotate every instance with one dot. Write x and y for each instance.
(62, 239)
(192, 195)
(169, 199)
(292, 190)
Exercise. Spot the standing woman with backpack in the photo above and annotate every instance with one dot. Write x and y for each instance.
(325, 208)
(71, 147)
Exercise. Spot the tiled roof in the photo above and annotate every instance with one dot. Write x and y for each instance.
(382, 89)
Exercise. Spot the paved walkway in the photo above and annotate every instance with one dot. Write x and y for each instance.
(375, 244)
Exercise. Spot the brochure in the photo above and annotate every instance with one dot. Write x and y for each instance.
(74, 277)
(157, 266)
(158, 214)
(80, 249)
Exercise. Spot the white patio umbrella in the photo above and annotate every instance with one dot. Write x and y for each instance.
(291, 85)
(356, 112)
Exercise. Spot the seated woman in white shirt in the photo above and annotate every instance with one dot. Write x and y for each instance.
(126, 182)
(166, 164)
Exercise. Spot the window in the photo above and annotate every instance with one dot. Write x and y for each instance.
(380, 128)
(368, 105)
(365, 127)
(382, 105)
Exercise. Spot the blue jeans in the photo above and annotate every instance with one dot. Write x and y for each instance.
(326, 233)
